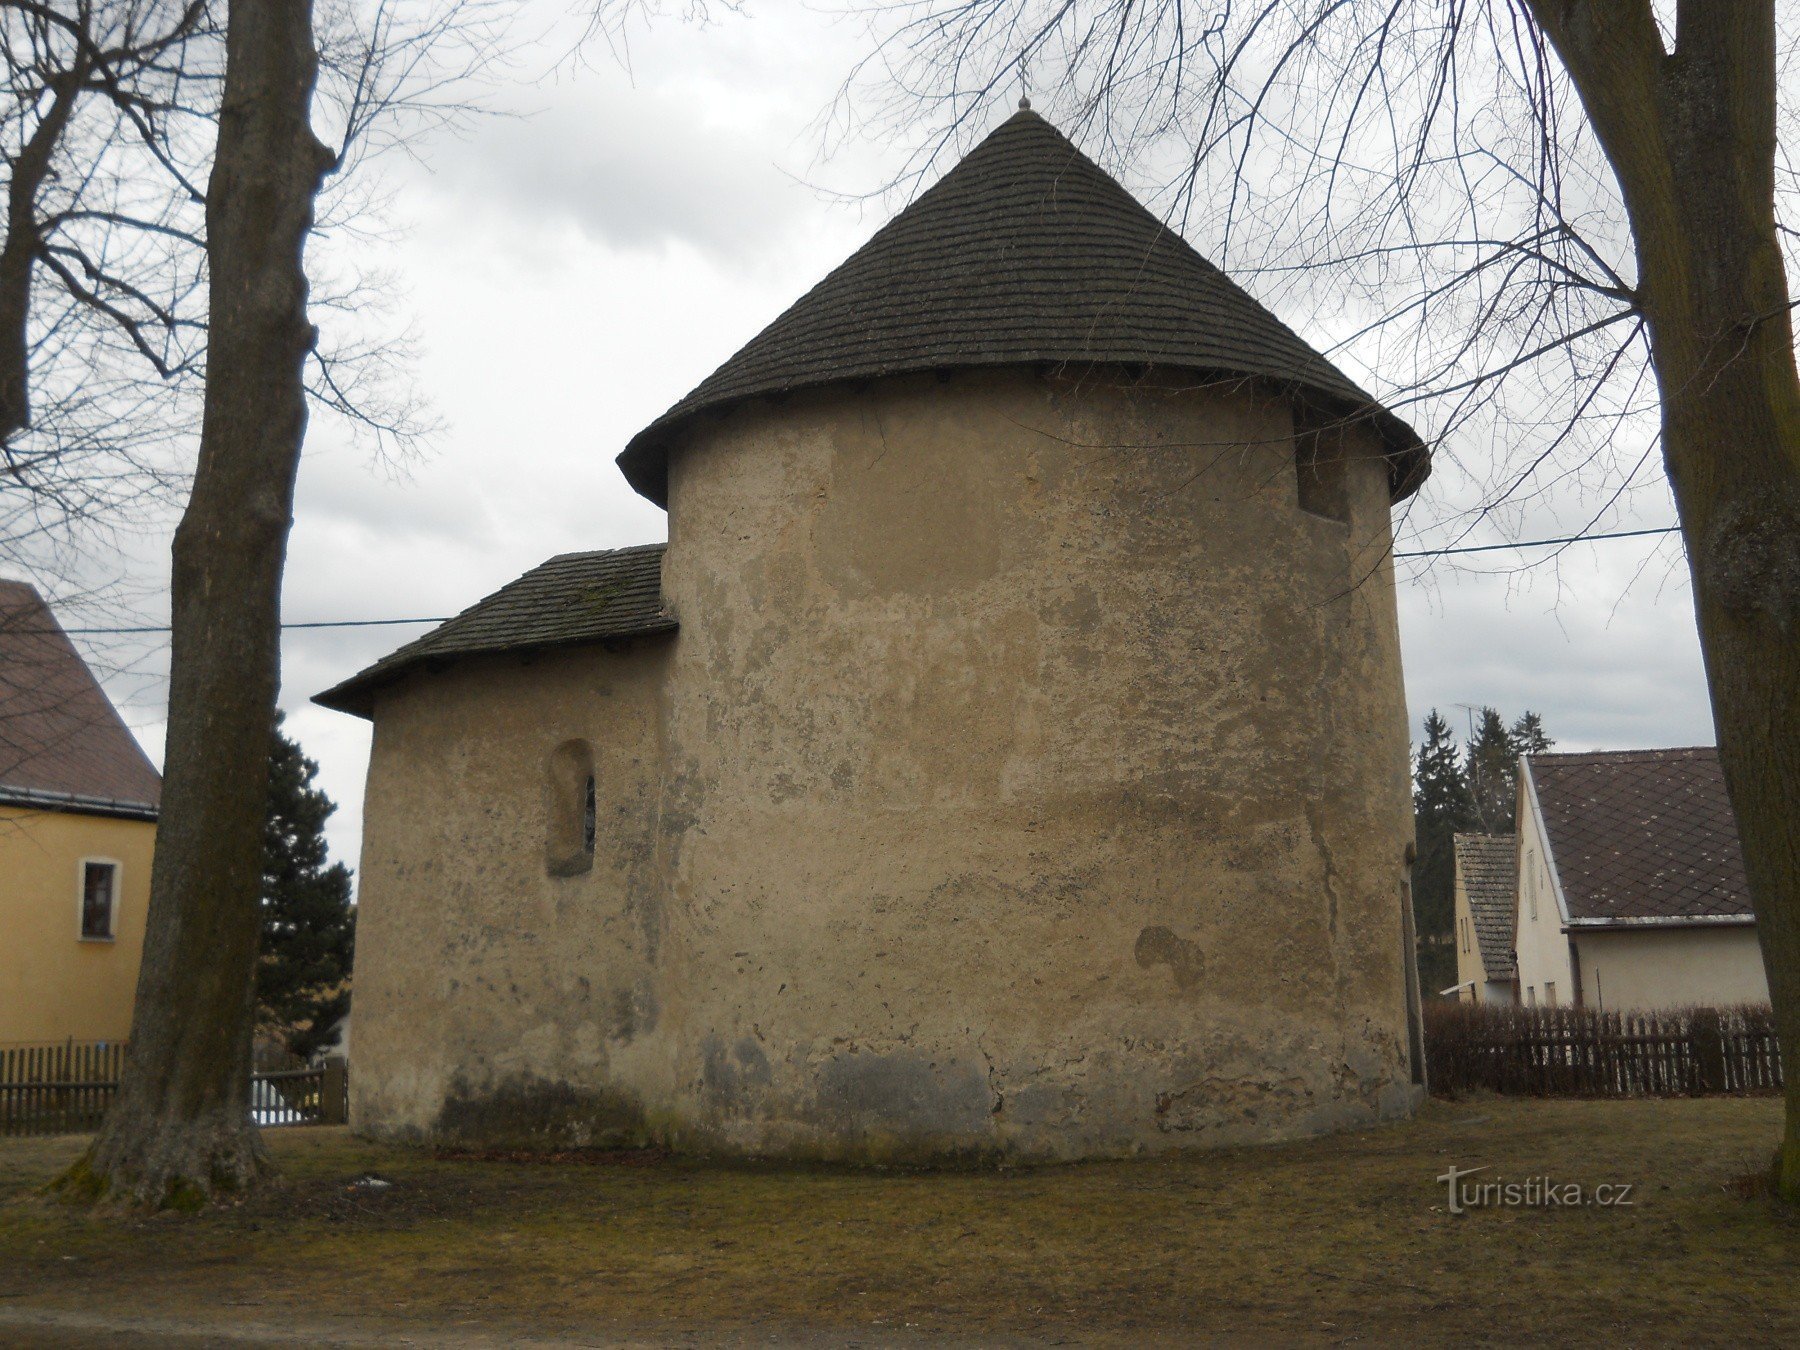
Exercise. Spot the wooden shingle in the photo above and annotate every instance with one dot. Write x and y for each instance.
(1026, 253)
(573, 598)
(1488, 865)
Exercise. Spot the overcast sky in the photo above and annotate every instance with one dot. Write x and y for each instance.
(573, 270)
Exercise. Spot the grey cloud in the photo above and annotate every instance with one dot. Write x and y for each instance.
(630, 169)
(1611, 665)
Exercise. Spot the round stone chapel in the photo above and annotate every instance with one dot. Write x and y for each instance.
(1005, 757)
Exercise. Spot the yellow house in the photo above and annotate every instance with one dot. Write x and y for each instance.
(78, 807)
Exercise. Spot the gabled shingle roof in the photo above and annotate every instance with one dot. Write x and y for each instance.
(1488, 865)
(1026, 252)
(573, 598)
(62, 743)
(1642, 835)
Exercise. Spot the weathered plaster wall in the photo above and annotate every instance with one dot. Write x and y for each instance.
(495, 1001)
(1037, 776)
(1029, 776)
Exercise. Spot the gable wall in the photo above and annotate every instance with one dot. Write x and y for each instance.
(1470, 976)
(1542, 945)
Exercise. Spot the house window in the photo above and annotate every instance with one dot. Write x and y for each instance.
(1531, 996)
(570, 810)
(1319, 473)
(1531, 882)
(99, 899)
(1549, 993)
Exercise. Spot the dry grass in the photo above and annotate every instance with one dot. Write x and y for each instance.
(1332, 1239)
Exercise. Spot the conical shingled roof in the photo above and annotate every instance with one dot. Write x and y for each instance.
(1025, 252)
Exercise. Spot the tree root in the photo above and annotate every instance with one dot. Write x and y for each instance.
(175, 1165)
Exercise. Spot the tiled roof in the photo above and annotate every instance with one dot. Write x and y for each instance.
(1489, 867)
(573, 598)
(62, 743)
(1026, 252)
(1642, 834)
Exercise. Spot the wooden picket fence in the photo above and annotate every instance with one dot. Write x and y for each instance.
(58, 1089)
(66, 1088)
(1582, 1052)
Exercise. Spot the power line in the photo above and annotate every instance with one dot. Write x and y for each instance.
(1539, 543)
(1414, 553)
(320, 623)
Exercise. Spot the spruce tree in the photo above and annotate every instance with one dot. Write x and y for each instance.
(1528, 736)
(1491, 769)
(308, 923)
(1441, 807)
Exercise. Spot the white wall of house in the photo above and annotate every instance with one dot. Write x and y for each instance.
(1623, 970)
(1546, 975)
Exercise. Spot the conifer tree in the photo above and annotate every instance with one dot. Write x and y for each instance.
(308, 924)
(1441, 807)
(1491, 761)
(1528, 735)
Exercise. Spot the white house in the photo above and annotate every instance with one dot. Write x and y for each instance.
(1487, 899)
(1631, 887)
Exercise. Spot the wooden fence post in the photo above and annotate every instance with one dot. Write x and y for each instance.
(334, 1092)
(1706, 1037)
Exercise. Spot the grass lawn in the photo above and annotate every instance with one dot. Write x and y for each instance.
(1345, 1238)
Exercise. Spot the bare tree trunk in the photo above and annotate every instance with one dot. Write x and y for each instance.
(1691, 135)
(180, 1131)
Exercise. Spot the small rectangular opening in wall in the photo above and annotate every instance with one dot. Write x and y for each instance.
(570, 810)
(1319, 469)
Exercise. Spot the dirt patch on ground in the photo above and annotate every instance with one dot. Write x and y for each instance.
(600, 1157)
(1324, 1240)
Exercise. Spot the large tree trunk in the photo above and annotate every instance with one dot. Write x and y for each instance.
(1691, 134)
(180, 1130)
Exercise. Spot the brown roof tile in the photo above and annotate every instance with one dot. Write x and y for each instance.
(1026, 252)
(1489, 867)
(1642, 834)
(62, 743)
(573, 598)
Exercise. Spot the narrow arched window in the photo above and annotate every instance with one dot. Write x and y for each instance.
(570, 810)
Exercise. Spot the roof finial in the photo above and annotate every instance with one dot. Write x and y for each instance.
(1024, 81)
